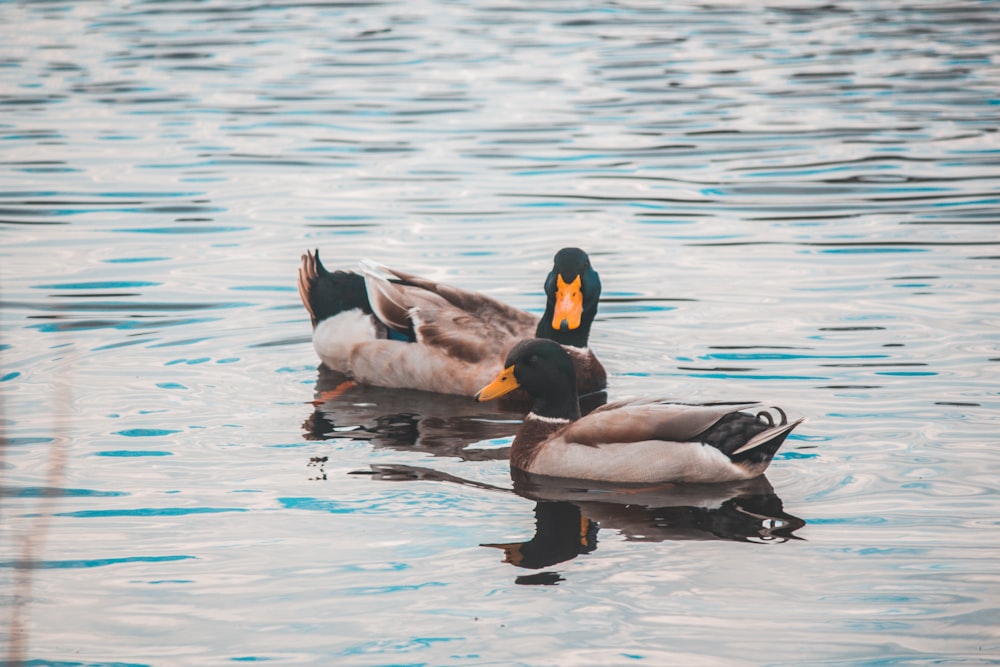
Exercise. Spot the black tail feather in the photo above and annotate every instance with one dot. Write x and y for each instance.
(765, 451)
(325, 293)
(736, 429)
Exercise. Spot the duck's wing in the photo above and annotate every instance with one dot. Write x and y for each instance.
(662, 442)
(434, 317)
(645, 420)
(496, 314)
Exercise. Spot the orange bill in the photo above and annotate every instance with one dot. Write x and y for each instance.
(569, 304)
(511, 551)
(503, 384)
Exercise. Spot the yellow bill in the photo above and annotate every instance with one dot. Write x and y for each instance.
(503, 384)
(569, 304)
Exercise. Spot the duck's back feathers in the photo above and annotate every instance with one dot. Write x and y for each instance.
(467, 326)
(494, 313)
(634, 421)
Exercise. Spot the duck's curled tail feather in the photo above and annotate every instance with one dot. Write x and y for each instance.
(748, 437)
(761, 448)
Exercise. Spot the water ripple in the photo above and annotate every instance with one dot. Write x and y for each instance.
(792, 203)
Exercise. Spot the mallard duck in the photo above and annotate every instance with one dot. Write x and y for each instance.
(642, 441)
(393, 329)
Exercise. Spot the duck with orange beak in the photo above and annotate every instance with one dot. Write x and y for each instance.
(388, 328)
(573, 289)
(636, 442)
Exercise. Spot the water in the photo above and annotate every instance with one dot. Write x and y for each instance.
(795, 203)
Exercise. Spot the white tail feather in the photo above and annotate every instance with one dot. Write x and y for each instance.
(372, 268)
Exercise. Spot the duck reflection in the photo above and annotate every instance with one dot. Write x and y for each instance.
(569, 514)
(562, 532)
(402, 419)
(408, 420)
(744, 511)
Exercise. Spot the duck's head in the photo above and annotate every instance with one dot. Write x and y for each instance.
(544, 369)
(572, 289)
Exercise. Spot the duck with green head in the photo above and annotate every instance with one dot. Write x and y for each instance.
(639, 441)
(389, 328)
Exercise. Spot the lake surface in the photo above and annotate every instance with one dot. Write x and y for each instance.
(791, 202)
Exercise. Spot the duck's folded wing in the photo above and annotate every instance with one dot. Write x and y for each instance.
(390, 302)
(495, 313)
(433, 320)
(639, 421)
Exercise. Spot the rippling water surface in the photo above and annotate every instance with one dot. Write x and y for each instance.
(790, 202)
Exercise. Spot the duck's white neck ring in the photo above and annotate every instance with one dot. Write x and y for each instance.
(547, 420)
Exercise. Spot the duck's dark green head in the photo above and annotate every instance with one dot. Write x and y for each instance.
(544, 369)
(572, 290)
